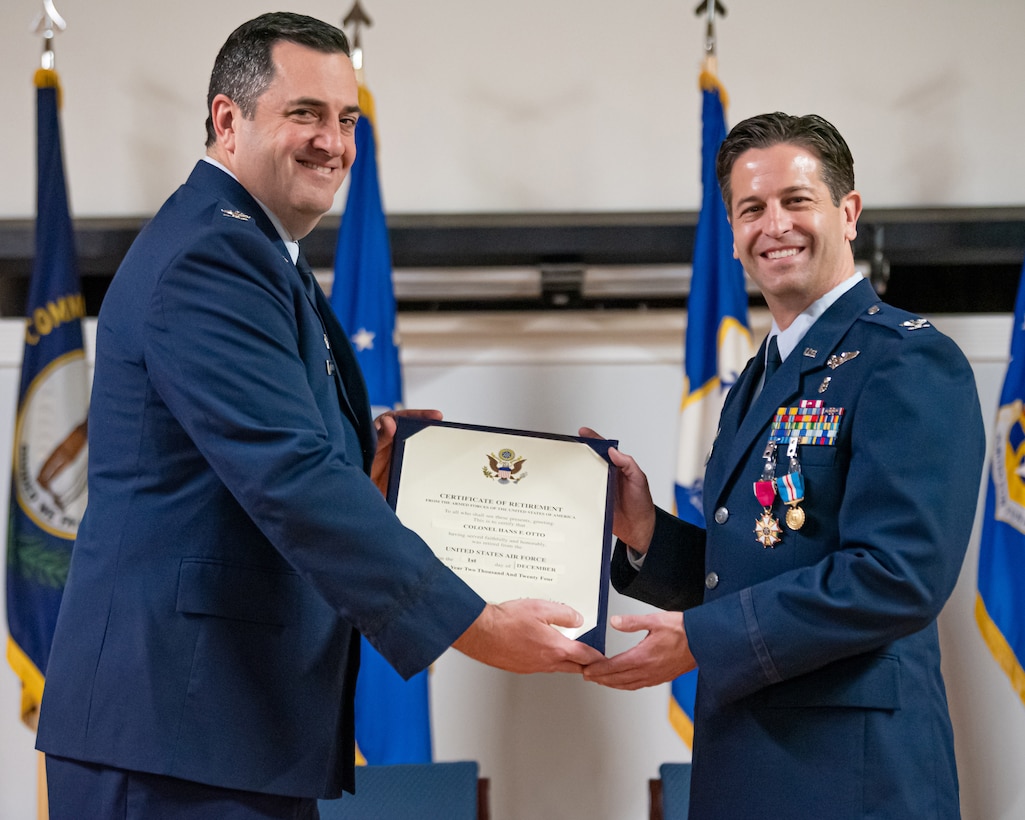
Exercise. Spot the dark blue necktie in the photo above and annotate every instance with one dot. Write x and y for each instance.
(307, 274)
(772, 359)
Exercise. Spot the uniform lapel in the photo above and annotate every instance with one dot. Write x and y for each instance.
(352, 392)
(352, 389)
(749, 429)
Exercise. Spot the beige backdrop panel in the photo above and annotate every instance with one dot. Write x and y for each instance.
(556, 747)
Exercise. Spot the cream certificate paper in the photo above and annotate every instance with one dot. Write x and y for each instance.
(515, 515)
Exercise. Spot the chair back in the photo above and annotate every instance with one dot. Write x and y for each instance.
(428, 791)
(675, 790)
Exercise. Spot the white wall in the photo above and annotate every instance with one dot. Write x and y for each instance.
(556, 747)
(547, 104)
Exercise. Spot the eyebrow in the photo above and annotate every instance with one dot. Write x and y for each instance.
(793, 189)
(318, 103)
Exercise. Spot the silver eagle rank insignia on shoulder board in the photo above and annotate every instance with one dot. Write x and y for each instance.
(236, 214)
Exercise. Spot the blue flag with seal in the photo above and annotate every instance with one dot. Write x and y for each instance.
(716, 348)
(393, 719)
(48, 487)
(1000, 602)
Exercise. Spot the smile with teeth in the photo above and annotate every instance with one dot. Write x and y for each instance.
(782, 254)
(320, 169)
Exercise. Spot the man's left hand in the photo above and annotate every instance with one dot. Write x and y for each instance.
(662, 656)
(385, 425)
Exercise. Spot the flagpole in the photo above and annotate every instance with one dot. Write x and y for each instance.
(47, 24)
(392, 715)
(717, 342)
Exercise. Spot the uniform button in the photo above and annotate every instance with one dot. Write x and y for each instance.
(722, 515)
(711, 580)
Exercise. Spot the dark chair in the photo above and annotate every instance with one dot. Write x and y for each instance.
(669, 796)
(428, 791)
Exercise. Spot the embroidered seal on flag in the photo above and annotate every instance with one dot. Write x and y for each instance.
(1009, 465)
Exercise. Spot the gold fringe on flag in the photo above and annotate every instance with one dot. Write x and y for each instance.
(708, 81)
(48, 78)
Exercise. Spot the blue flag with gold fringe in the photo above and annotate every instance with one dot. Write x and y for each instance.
(362, 295)
(1000, 603)
(48, 487)
(393, 723)
(716, 348)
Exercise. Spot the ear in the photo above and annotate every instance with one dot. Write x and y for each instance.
(850, 206)
(224, 115)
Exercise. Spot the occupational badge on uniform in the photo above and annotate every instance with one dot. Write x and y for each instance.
(236, 214)
(505, 466)
(833, 362)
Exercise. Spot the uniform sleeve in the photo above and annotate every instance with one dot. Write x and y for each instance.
(224, 353)
(904, 519)
(671, 576)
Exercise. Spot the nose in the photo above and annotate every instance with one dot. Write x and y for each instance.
(777, 219)
(329, 138)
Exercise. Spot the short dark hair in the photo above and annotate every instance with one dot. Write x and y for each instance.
(244, 69)
(810, 131)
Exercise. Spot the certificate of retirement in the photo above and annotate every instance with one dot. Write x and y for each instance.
(515, 514)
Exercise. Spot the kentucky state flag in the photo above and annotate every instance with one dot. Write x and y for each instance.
(48, 488)
(717, 346)
(1000, 603)
(393, 719)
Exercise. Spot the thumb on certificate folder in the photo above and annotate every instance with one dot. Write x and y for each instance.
(562, 614)
(517, 636)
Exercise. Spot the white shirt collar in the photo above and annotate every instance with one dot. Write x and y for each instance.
(789, 339)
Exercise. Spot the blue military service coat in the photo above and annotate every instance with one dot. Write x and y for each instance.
(233, 544)
(819, 686)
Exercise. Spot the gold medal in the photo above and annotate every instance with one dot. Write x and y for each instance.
(795, 517)
(767, 531)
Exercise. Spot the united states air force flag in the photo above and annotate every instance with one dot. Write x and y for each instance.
(717, 346)
(1000, 603)
(48, 488)
(393, 722)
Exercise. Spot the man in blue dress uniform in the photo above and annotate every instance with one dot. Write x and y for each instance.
(839, 495)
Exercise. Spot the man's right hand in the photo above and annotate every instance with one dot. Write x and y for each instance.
(519, 636)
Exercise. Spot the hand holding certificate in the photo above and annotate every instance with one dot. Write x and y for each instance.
(514, 514)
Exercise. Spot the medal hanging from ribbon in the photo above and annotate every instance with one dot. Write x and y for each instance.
(812, 424)
(791, 489)
(767, 530)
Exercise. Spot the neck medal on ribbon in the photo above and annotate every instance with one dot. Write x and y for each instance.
(809, 423)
